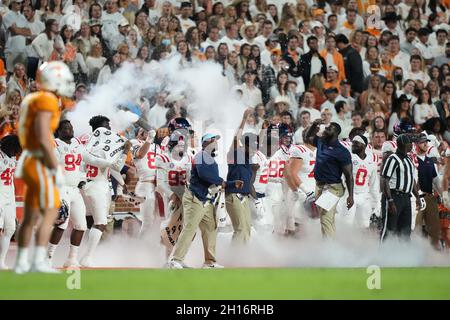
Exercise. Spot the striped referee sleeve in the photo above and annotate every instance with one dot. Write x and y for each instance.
(409, 176)
(390, 166)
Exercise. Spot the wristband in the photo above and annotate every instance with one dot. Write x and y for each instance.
(390, 200)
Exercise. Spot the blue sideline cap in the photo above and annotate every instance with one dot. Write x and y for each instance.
(209, 136)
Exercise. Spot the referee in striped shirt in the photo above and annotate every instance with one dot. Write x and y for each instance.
(397, 184)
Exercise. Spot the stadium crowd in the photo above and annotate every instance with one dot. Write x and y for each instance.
(374, 68)
(285, 58)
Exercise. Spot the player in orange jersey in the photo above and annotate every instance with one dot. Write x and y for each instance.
(38, 166)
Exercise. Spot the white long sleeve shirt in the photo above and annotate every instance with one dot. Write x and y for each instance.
(251, 97)
(423, 112)
(43, 46)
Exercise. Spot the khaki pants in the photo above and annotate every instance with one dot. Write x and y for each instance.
(430, 216)
(197, 215)
(240, 216)
(327, 217)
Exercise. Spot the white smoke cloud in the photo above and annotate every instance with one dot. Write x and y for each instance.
(350, 249)
(209, 97)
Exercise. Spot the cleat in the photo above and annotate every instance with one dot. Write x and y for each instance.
(173, 264)
(87, 262)
(213, 265)
(21, 268)
(71, 263)
(3, 266)
(44, 267)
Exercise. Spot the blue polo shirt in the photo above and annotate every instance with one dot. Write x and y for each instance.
(239, 168)
(205, 173)
(427, 172)
(330, 159)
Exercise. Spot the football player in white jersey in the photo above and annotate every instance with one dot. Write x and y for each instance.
(69, 152)
(97, 192)
(366, 188)
(283, 219)
(173, 170)
(9, 148)
(176, 124)
(353, 133)
(300, 176)
(257, 206)
(144, 153)
(378, 139)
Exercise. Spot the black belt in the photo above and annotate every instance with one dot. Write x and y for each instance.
(321, 184)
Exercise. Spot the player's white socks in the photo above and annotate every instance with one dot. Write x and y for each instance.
(4, 245)
(22, 256)
(51, 250)
(94, 238)
(73, 252)
(22, 263)
(40, 261)
(39, 255)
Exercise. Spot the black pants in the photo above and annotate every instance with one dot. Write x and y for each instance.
(32, 65)
(398, 224)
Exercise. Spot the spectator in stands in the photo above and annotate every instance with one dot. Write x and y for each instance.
(16, 27)
(352, 64)
(19, 81)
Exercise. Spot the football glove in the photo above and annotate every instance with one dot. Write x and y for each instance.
(151, 136)
(423, 204)
(260, 210)
(63, 213)
(299, 195)
(310, 197)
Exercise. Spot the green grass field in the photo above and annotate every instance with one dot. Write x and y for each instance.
(318, 283)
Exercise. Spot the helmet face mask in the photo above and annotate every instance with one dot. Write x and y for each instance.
(286, 140)
(180, 124)
(177, 143)
(285, 134)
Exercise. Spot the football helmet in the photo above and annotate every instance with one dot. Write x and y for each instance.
(56, 77)
(63, 213)
(179, 123)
